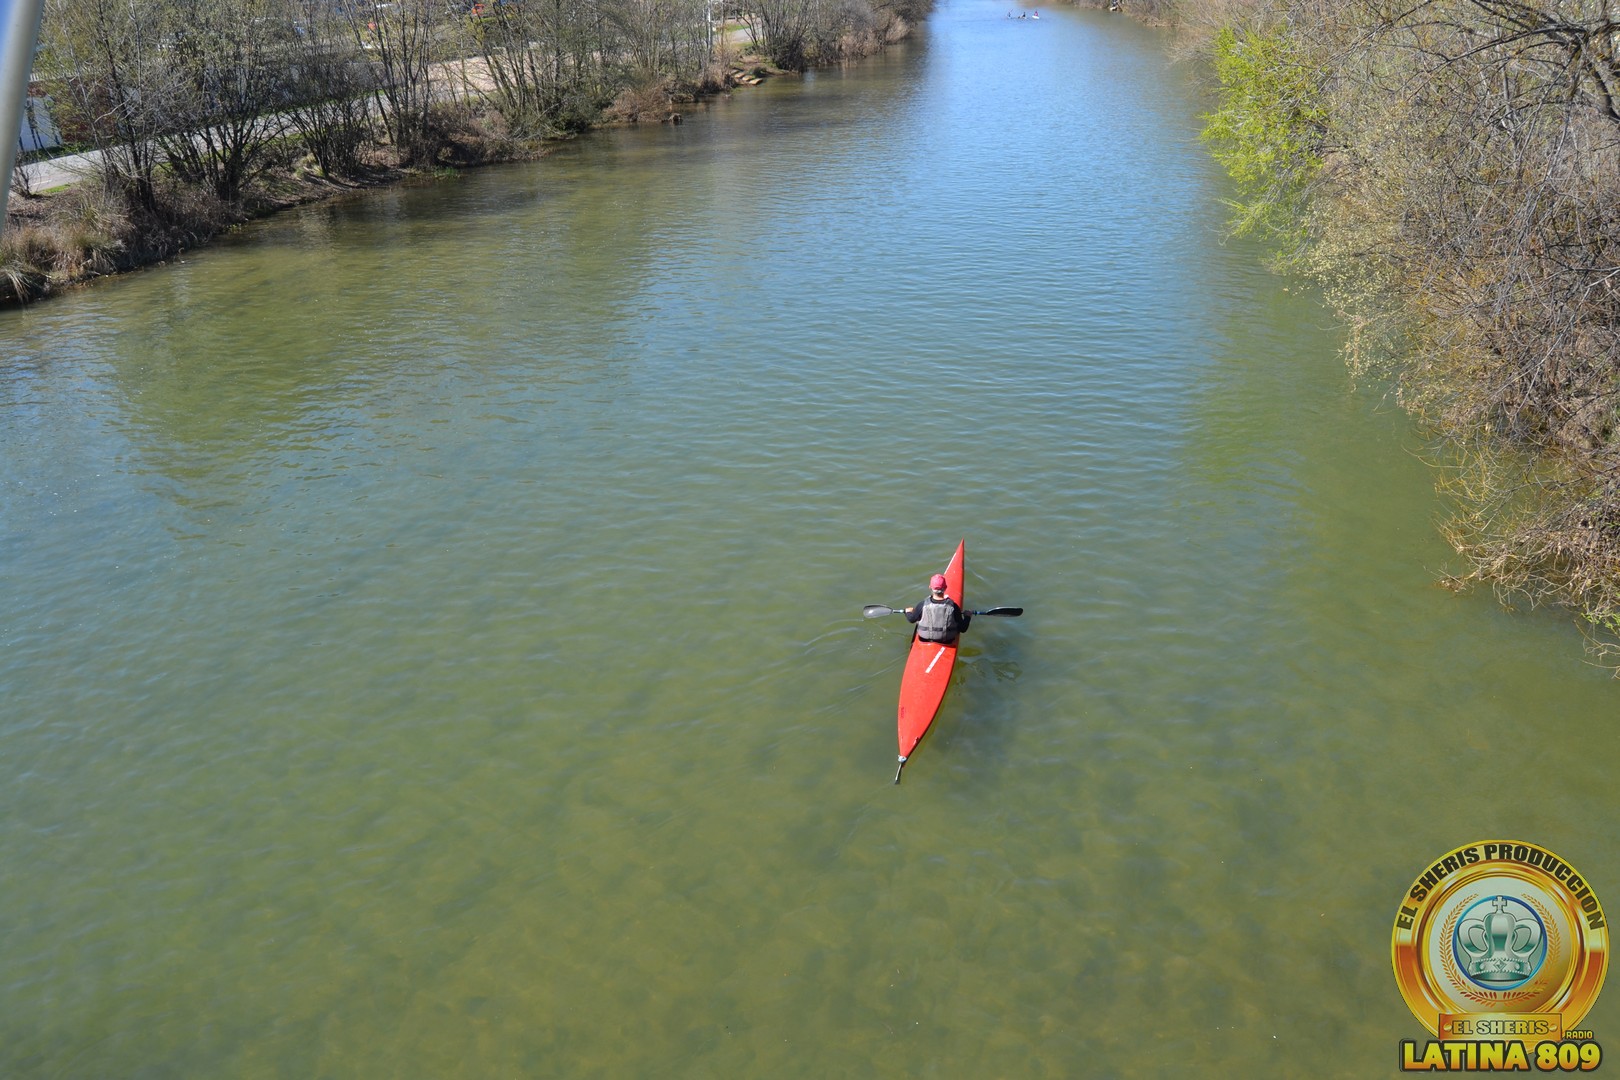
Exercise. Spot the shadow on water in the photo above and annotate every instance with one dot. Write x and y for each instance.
(976, 732)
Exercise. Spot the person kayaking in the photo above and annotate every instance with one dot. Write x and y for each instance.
(938, 617)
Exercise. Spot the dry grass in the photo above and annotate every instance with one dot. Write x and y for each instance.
(55, 240)
(652, 102)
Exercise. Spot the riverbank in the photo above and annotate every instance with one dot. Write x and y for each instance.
(1159, 13)
(1446, 177)
(73, 233)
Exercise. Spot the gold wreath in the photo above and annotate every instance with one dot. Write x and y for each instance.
(1550, 925)
(1447, 961)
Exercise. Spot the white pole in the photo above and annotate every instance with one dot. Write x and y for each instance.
(19, 33)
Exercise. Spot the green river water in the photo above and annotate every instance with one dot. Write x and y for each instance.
(432, 639)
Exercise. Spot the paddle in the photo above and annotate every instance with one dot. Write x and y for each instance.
(873, 611)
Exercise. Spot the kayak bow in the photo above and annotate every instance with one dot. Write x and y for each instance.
(928, 671)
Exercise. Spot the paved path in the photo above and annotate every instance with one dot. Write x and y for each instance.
(58, 172)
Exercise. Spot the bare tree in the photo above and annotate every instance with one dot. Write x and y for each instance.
(660, 38)
(332, 88)
(22, 180)
(544, 71)
(783, 31)
(227, 67)
(399, 36)
(110, 84)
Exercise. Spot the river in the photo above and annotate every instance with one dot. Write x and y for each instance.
(433, 641)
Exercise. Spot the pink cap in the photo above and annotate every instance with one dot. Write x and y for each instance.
(937, 583)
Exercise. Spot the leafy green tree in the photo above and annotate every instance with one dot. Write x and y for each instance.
(1269, 128)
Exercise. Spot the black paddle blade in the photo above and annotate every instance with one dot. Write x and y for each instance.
(1007, 611)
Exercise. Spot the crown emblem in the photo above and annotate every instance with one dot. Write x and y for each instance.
(1503, 947)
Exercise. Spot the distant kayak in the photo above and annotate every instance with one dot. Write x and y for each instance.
(928, 671)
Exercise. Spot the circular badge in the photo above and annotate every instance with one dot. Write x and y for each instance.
(1500, 929)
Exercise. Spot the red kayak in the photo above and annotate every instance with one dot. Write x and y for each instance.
(928, 672)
